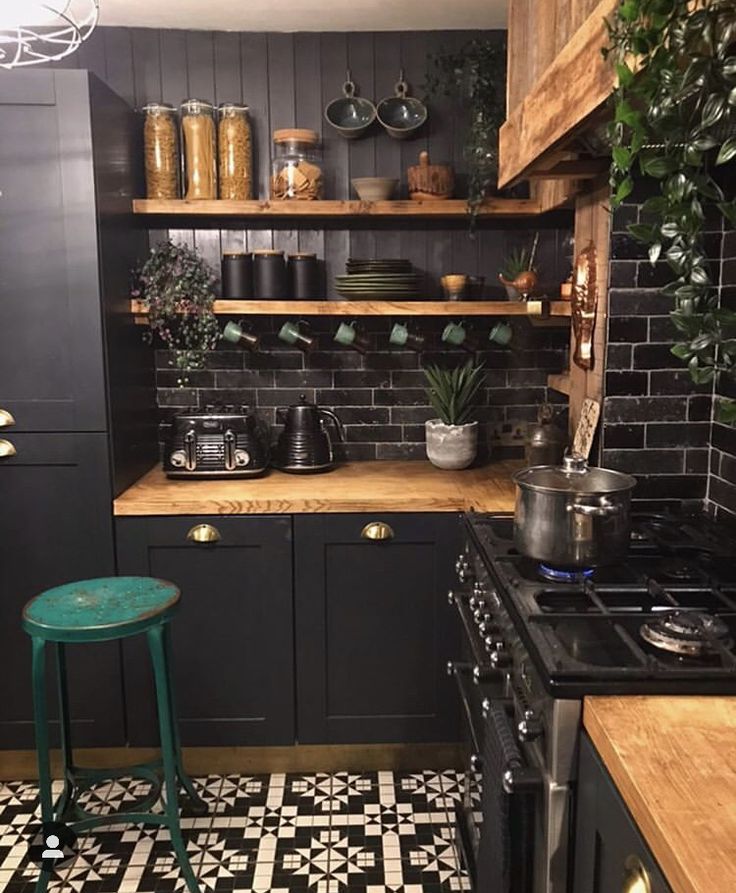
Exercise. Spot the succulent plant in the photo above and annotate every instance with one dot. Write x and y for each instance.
(453, 392)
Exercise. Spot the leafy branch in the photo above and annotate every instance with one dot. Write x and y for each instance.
(675, 120)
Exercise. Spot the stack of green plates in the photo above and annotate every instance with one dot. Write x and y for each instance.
(380, 278)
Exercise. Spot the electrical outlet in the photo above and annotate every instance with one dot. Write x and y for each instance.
(511, 433)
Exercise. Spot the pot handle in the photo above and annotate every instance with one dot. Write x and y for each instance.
(602, 509)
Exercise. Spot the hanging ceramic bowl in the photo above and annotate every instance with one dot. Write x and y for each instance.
(401, 115)
(350, 115)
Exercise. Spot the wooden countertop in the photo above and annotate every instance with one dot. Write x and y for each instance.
(402, 486)
(673, 760)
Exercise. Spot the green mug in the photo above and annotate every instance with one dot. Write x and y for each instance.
(349, 335)
(401, 336)
(236, 334)
(501, 333)
(454, 333)
(291, 333)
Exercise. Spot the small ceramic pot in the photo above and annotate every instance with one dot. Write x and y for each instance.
(374, 189)
(454, 286)
(451, 447)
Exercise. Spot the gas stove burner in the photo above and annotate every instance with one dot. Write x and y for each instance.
(564, 575)
(687, 633)
(675, 569)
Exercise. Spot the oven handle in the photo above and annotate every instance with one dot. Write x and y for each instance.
(460, 671)
(517, 778)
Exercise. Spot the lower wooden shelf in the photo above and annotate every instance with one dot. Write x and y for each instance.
(559, 383)
(383, 308)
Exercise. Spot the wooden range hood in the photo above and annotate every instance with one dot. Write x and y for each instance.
(558, 86)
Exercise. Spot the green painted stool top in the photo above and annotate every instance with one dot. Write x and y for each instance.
(100, 609)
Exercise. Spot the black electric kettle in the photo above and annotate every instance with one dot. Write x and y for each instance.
(304, 446)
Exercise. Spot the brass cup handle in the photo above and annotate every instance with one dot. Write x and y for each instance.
(378, 531)
(204, 533)
(6, 419)
(7, 449)
(637, 877)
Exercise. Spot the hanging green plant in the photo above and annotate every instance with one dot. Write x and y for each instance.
(177, 286)
(675, 121)
(475, 76)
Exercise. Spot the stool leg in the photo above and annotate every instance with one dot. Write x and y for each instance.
(65, 726)
(40, 719)
(196, 804)
(166, 725)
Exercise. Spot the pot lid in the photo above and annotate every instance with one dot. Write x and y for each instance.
(574, 476)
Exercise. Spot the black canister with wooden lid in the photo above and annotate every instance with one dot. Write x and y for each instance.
(237, 275)
(303, 276)
(269, 275)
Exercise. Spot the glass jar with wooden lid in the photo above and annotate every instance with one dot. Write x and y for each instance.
(198, 149)
(296, 169)
(234, 151)
(161, 150)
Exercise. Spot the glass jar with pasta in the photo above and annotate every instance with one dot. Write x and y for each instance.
(161, 150)
(234, 151)
(198, 150)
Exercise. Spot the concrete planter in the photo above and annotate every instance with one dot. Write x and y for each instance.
(451, 446)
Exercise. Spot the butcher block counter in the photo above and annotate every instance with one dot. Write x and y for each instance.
(401, 486)
(673, 760)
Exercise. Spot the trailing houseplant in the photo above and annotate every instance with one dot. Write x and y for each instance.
(177, 286)
(452, 438)
(675, 121)
(476, 76)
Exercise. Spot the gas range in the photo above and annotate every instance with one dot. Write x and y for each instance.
(535, 642)
(661, 621)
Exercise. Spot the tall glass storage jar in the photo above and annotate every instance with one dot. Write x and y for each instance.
(234, 151)
(198, 149)
(161, 150)
(296, 170)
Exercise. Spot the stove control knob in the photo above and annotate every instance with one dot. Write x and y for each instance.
(499, 657)
(242, 458)
(486, 707)
(178, 458)
(479, 588)
(479, 614)
(450, 597)
(488, 629)
(530, 727)
(476, 763)
(463, 573)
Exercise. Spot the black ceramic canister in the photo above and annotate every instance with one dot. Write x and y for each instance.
(269, 275)
(303, 277)
(237, 275)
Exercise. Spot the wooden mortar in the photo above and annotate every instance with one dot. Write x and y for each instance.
(430, 182)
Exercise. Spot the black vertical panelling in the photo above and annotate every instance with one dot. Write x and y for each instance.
(254, 64)
(146, 65)
(336, 159)
(387, 54)
(119, 68)
(228, 76)
(308, 100)
(91, 55)
(173, 49)
(362, 151)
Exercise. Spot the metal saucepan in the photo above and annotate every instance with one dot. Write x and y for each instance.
(571, 515)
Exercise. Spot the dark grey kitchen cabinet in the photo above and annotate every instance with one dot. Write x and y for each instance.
(232, 637)
(55, 526)
(372, 641)
(609, 849)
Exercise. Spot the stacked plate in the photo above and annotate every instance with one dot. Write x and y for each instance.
(382, 278)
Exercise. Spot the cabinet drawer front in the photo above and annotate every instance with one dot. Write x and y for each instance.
(153, 532)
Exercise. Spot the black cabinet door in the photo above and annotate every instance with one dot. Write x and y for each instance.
(372, 638)
(233, 634)
(609, 848)
(51, 346)
(55, 527)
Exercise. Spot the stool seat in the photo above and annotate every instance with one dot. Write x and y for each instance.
(99, 610)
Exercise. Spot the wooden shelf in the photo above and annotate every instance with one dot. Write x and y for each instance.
(559, 383)
(493, 207)
(376, 308)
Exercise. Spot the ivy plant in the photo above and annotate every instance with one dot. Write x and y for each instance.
(675, 121)
(475, 75)
(177, 286)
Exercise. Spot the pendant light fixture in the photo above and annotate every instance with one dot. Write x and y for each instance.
(36, 31)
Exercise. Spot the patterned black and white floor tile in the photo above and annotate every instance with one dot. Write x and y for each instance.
(373, 832)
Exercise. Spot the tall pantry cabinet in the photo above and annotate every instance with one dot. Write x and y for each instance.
(77, 404)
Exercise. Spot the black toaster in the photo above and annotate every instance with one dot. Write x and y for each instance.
(217, 442)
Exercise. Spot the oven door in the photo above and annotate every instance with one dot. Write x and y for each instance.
(510, 803)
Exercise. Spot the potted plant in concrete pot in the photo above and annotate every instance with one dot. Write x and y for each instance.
(452, 438)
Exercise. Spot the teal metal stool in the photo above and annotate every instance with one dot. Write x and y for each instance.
(101, 610)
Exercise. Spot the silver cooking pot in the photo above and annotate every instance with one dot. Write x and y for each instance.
(572, 515)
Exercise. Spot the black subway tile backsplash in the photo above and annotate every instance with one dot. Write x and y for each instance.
(627, 383)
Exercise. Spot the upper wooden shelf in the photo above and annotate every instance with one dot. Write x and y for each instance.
(381, 308)
(492, 207)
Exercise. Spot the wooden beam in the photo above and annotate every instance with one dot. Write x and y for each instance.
(580, 169)
(564, 97)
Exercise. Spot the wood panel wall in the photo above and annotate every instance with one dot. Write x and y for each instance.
(286, 80)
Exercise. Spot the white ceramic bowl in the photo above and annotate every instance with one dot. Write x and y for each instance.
(374, 189)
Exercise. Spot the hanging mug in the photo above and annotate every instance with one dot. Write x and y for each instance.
(402, 336)
(349, 335)
(291, 333)
(235, 333)
(501, 333)
(455, 335)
